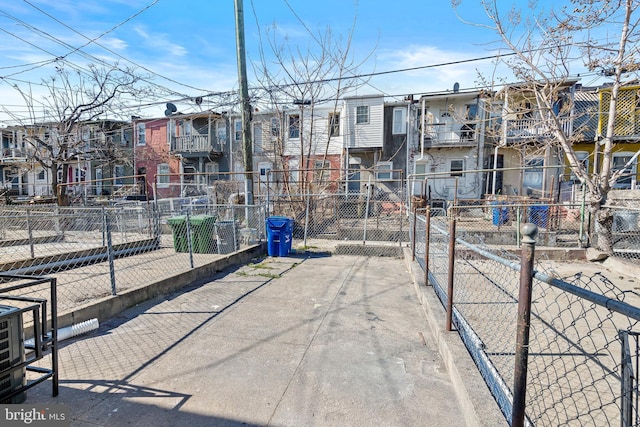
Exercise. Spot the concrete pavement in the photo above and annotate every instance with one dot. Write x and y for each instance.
(309, 340)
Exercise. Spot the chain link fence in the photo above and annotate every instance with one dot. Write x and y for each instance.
(102, 251)
(372, 222)
(625, 232)
(577, 323)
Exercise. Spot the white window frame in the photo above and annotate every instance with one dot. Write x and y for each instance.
(582, 157)
(362, 114)
(456, 172)
(632, 170)
(294, 125)
(399, 124)
(384, 171)
(141, 132)
(44, 175)
(534, 170)
(163, 180)
(275, 127)
(221, 132)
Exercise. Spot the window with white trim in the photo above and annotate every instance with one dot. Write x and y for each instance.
(384, 171)
(583, 159)
(294, 126)
(399, 126)
(162, 175)
(362, 114)
(141, 129)
(533, 174)
(619, 161)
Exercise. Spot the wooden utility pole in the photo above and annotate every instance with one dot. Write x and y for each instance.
(247, 150)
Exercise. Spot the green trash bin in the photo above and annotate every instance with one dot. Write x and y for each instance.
(178, 226)
(203, 234)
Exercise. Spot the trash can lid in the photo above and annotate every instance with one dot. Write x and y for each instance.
(278, 220)
(177, 219)
(202, 219)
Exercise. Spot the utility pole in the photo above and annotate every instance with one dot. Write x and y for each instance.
(247, 150)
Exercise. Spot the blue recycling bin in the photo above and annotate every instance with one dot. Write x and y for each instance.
(279, 235)
(500, 213)
(539, 215)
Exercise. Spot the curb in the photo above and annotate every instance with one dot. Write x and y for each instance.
(479, 408)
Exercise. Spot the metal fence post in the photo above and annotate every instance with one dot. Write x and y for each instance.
(189, 242)
(452, 260)
(529, 232)
(30, 231)
(427, 226)
(112, 270)
(413, 233)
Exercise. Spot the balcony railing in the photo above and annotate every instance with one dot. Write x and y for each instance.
(16, 153)
(451, 134)
(195, 144)
(535, 128)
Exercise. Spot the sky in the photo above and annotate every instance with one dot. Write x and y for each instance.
(187, 48)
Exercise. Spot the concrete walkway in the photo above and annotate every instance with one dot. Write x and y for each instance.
(296, 341)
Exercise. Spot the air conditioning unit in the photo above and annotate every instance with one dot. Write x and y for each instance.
(11, 354)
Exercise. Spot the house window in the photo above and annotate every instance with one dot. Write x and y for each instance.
(321, 172)
(142, 134)
(334, 124)
(583, 159)
(118, 173)
(294, 126)
(237, 126)
(257, 137)
(456, 167)
(162, 175)
(221, 132)
(362, 114)
(384, 171)
(399, 121)
(533, 175)
(619, 162)
(275, 126)
(41, 175)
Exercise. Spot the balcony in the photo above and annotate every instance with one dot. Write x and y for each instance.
(450, 134)
(192, 144)
(16, 154)
(534, 129)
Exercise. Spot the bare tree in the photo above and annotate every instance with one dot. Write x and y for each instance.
(543, 47)
(71, 101)
(305, 78)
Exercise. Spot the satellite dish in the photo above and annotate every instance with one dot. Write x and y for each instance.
(170, 109)
(198, 100)
(456, 87)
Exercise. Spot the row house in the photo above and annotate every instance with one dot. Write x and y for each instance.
(523, 141)
(96, 159)
(626, 131)
(451, 128)
(182, 154)
(348, 145)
